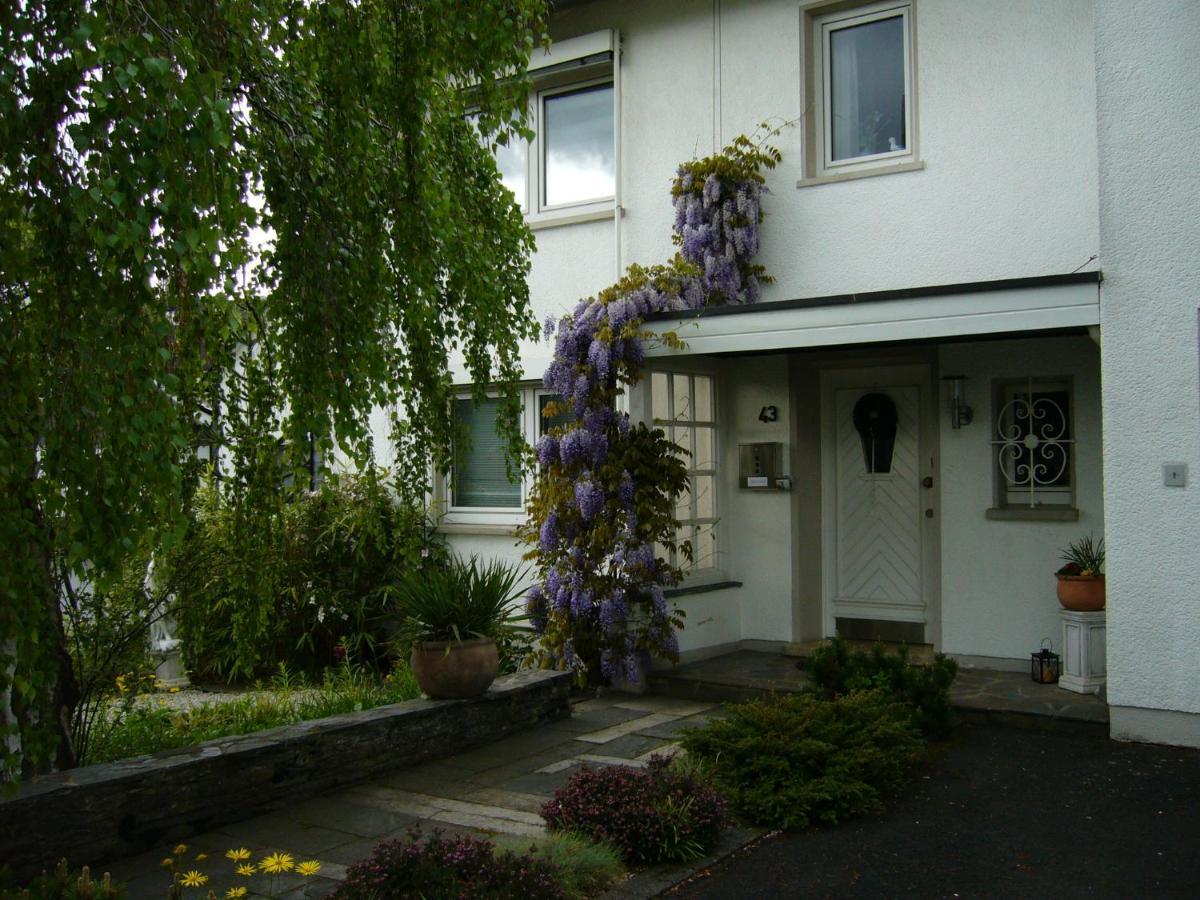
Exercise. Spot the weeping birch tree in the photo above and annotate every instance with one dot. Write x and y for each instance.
(183, 179)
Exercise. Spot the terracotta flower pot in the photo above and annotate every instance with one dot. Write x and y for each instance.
(1081, 593)
(466, 671)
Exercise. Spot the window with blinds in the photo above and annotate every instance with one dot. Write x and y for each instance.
(480, 479)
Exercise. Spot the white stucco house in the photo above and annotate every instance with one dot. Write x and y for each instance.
(984, 234)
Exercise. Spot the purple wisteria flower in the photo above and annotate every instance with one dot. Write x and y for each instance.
(591, 582)
(590, 497)
(547, 450)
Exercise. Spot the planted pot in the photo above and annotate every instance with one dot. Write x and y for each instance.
(455, 670)
(1081, 593)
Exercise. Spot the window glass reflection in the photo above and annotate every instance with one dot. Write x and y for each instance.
(866, 89)
(579, 154)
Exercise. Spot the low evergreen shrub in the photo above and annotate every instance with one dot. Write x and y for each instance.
(800, 760)
(586, 868)
(656, 814)
(448, 867)
(836, 669)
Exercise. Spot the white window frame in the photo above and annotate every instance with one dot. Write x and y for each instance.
(700, 570)
(536, 160)
(489, 516)
(822, 27)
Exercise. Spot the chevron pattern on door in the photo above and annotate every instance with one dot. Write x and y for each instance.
(879, 516)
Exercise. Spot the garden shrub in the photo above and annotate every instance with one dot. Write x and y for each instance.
(837, 669)
(308, 583)
(585, 867)
(450, 867)
(801, 759)
(656, 814)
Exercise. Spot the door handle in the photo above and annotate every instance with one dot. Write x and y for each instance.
(927, 481)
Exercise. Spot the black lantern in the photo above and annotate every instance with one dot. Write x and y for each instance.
(1045, 665)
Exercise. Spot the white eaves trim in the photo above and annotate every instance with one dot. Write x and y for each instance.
(572, 49)
(919, 318)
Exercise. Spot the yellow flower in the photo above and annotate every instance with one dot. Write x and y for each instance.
(174, 690)
(277, 863)
(200, 857)
(308, 867)
(193, 879)
(234, 893)
(237, 855)
(246, 869)
(181, 848)
(168, 863)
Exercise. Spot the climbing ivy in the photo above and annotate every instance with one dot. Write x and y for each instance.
(274, 192)
(602, 510)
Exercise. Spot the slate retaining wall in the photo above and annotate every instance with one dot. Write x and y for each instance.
(95, 814)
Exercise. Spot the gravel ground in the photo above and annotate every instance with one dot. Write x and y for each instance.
(999, 812)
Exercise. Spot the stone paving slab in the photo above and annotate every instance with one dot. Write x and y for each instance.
(496, 790)
(604, 735)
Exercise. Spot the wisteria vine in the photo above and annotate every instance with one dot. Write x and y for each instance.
(603, 503)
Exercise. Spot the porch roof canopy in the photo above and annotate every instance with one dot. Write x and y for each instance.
(1041, 303)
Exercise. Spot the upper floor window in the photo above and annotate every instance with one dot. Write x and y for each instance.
(861, 87)
(578, 155)
(571, 165)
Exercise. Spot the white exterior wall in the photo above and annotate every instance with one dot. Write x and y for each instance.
(1006, 105)
(1148, 75)
(998, 586)
(1007, 129)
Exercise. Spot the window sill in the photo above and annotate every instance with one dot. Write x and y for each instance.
(915, 166)
(1033, 514)
(689, 589)
(567, 217)
(497, 528)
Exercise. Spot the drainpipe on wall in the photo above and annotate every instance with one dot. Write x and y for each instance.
(618, 211)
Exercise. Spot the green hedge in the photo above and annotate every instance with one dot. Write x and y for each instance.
(802, 759)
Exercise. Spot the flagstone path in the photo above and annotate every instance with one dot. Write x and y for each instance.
(495, 790)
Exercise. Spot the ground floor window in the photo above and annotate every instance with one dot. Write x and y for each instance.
(480, 478)
(684, 406)
(1034, 443)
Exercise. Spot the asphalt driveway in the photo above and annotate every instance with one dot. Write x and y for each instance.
(999, 812)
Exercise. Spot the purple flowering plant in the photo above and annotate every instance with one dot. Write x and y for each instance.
(456, 867)
(602, 509)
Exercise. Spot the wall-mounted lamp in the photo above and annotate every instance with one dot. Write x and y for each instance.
(960, 413)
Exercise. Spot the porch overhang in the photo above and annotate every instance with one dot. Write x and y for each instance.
(1014, 305)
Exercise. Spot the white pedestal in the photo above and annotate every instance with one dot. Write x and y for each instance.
(1083, 664)
(169, 671)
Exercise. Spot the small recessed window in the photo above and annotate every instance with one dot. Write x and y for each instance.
(1034, 444)
(579, 158)
(480, 478)
(862, 88)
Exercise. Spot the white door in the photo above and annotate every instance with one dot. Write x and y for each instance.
(878, 496)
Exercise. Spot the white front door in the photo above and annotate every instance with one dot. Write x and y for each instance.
(878, 496)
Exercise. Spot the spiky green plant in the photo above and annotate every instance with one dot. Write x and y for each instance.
(1086, 553)
(463, 599)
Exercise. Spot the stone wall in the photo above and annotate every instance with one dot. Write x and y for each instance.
(98, 813)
